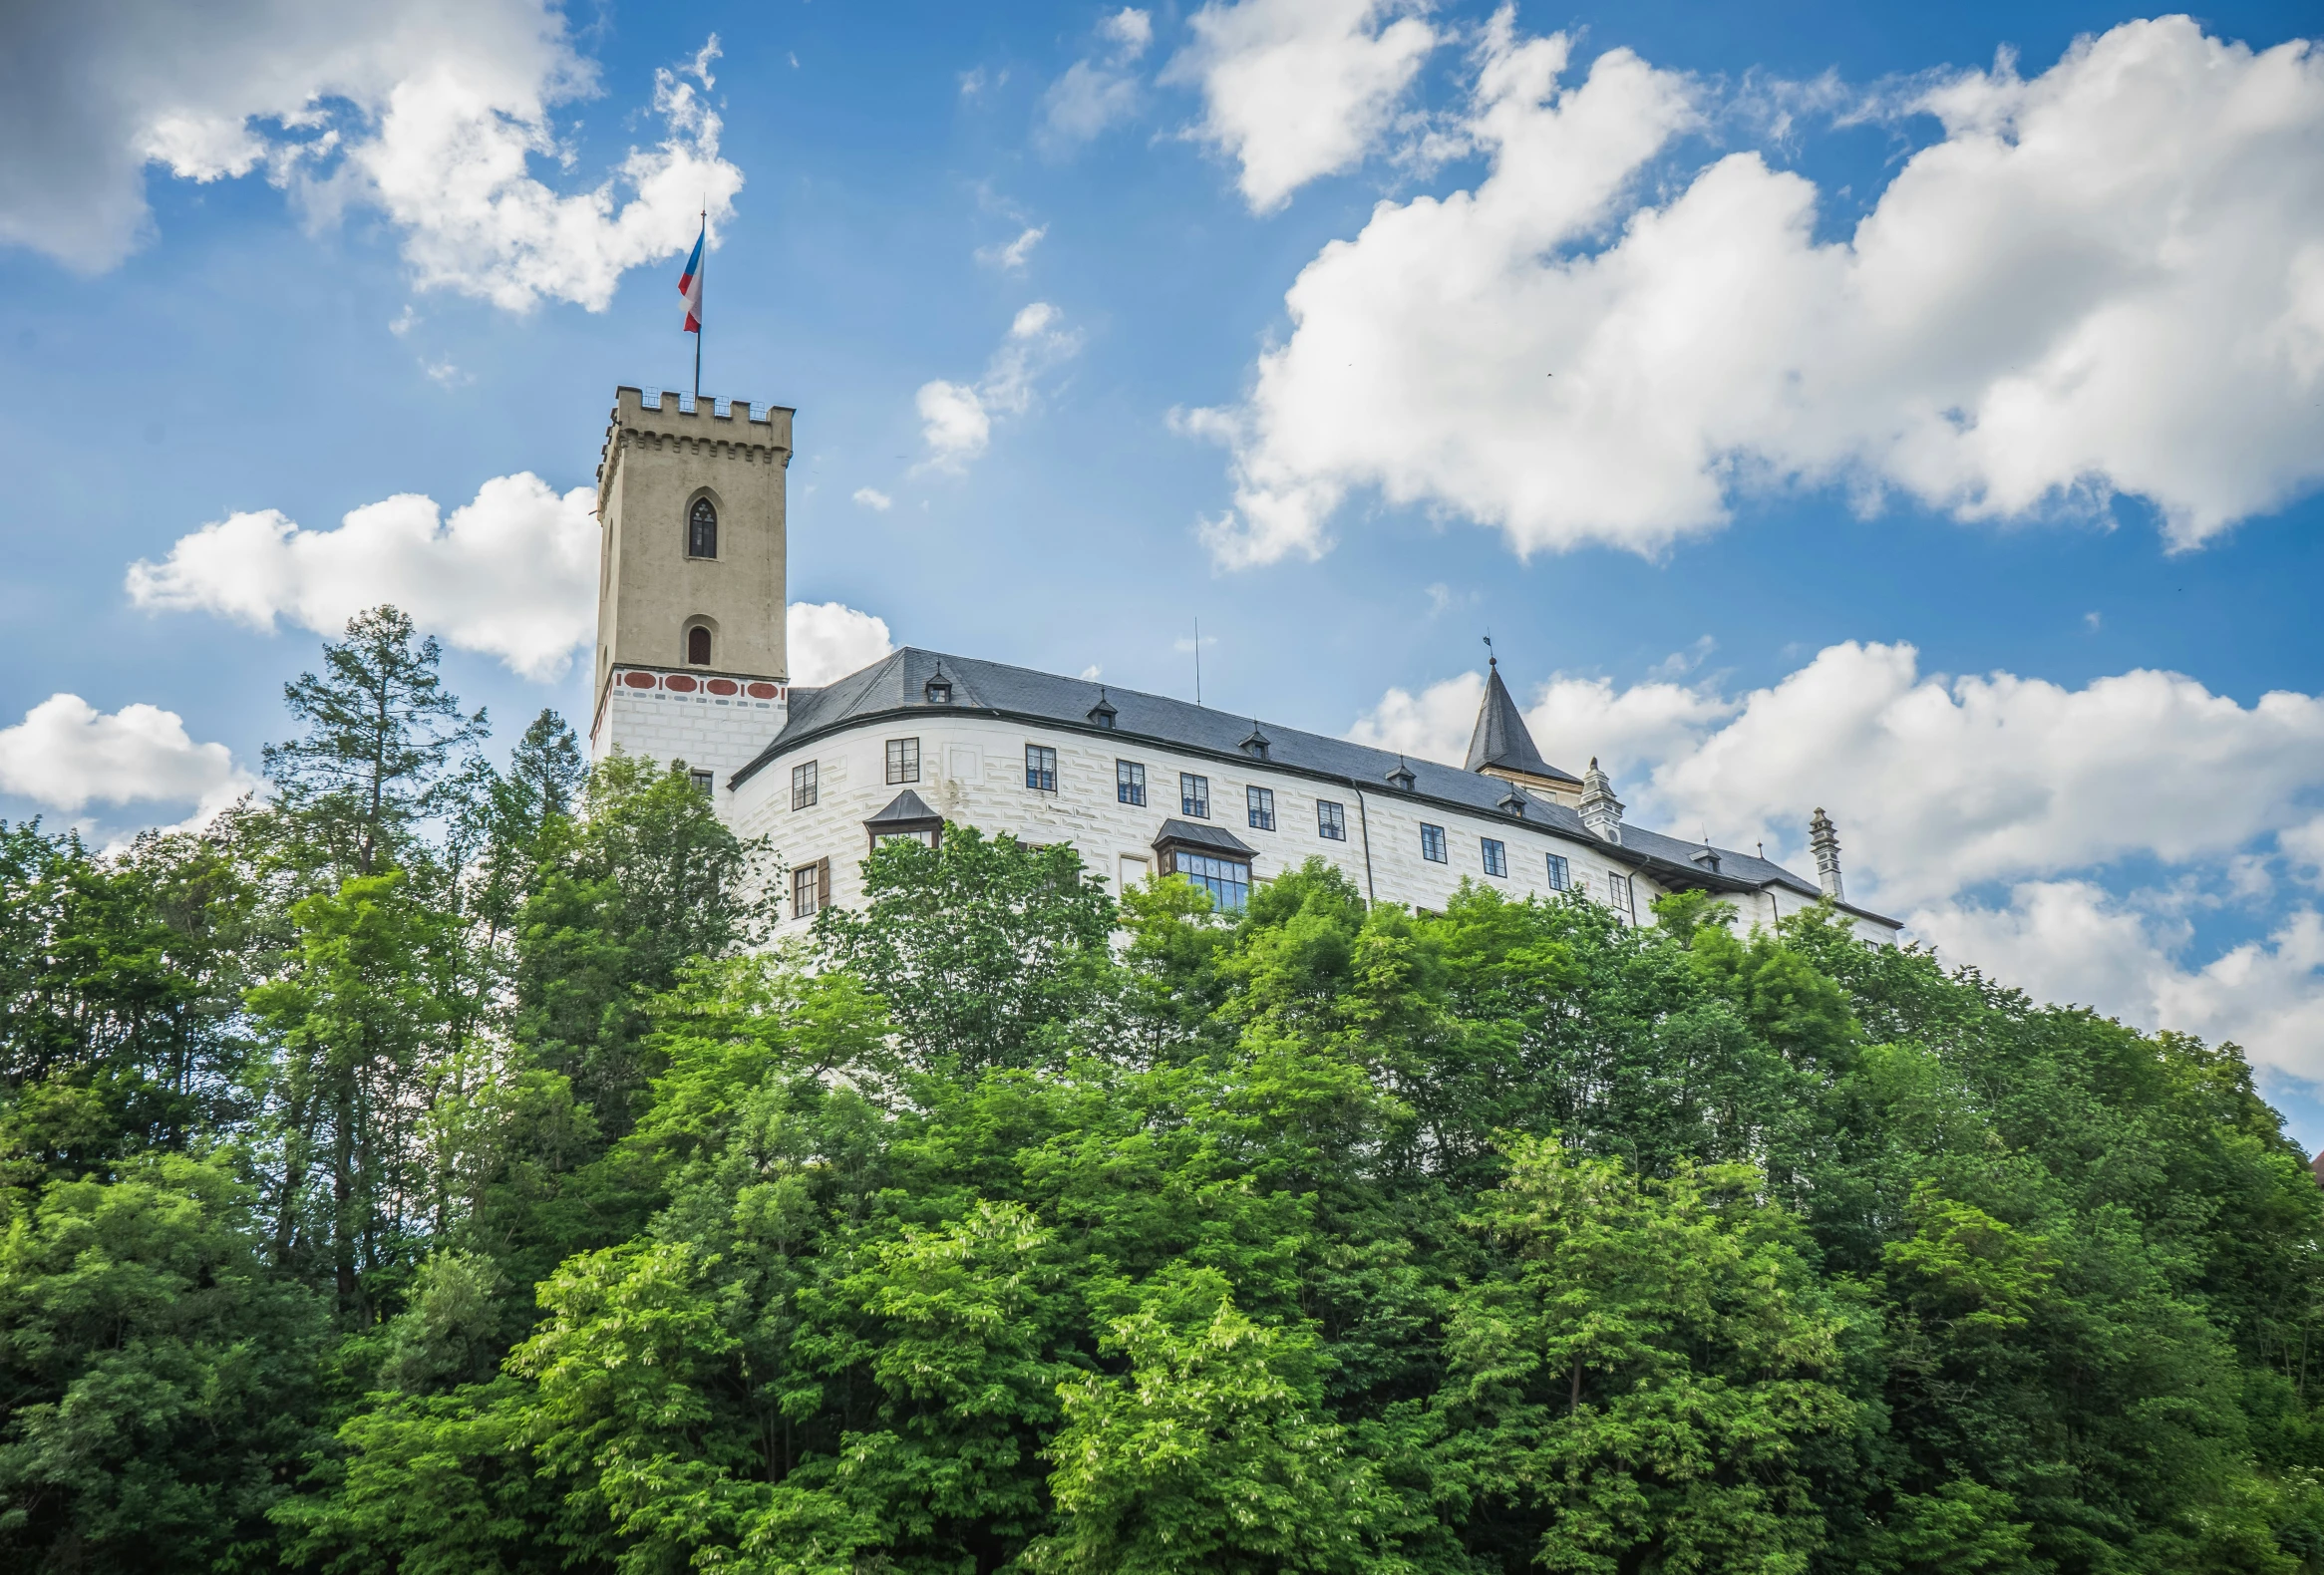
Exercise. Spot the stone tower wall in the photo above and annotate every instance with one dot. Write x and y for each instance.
(658, 458)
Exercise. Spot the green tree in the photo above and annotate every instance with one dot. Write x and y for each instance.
(158, 1378)
(988, 952)
(1210, 1454)
(353, 1014)
(380, 745)
(1650, 1375)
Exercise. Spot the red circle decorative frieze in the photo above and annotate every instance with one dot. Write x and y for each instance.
(639, 679)
(679, 683)
(763, 691)
(723, 686)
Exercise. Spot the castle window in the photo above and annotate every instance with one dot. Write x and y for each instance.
(698, 646)
(1129, 782)
(1261, 803)
(1194, 795)
(938, 689)
(701, 782)
(1040, 768)
(702, 531)
(903, 760)
(1497, 858)
(1560, 872)
(1228, 880)
(1433, 844)
(1331, 820)
(1618, 898)
(803, 786)
(811, 888)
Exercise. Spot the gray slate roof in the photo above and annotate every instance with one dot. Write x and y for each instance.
(905, 808)
(895, 687)
(1502, 738)
(1200, 834)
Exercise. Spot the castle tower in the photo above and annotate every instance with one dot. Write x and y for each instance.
(690, 660)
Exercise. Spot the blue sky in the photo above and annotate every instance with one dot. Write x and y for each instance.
(1930, 419)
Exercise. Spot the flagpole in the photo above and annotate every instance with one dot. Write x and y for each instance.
(698, 320)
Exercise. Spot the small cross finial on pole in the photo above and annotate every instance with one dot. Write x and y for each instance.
(1491, 660)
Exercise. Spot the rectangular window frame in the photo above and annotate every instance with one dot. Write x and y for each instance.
(1193, 795)
(1432, 844)
(1228, 880)
(811, 888)
(806, 784)
(704, 783)
(1259, 805)
(1040, 768)
(1331, 820)
(1560, 872)
(1621, 899)
(903, 760)
(1495, 855)
(1130, 782)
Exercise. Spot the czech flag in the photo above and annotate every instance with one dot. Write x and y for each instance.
(690, 282)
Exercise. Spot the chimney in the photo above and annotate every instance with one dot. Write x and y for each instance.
(1824, 841)
(1601, 812)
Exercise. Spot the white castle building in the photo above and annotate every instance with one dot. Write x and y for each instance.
(690, 667)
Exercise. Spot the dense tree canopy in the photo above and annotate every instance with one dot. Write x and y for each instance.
(425, 1170)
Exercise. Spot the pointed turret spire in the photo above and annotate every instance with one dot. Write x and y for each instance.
(1502, 744)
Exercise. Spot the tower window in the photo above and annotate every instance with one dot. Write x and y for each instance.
(1331, 820)
(903, 760)
(1432, 842)
(1260, 801)
(702, 529)
(698, 646)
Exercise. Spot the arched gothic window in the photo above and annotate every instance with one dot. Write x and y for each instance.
(702, 529)
(698, 646)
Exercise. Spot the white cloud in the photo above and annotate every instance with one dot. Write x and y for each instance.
(67, 754)
(1947, 788)
(1011, 257)
(2072, 941)
(1100, 90)
(1297, 89)
(2106, 280)
(512, 574)
(828, 640)
(956, 419)
(430, 112)
(872, 497)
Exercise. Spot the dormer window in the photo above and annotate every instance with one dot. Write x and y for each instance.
(702, 529)
(1103, 713)
(1256, 745)
(938, 689)
(1708, 858)
(1514, 802)
(1401, 779)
